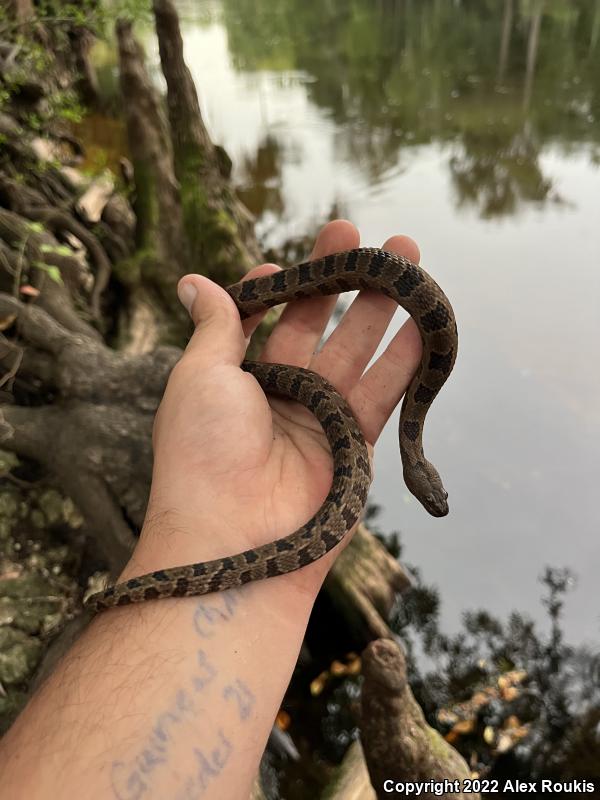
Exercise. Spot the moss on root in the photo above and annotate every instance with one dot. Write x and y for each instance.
(40, 548)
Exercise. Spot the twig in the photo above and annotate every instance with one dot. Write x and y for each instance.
(19, 269)
(12, 372)
(22, 484)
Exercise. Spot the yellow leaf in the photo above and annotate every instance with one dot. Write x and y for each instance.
(505, 743)
(489, 735)
(318, 684)
(283, 720)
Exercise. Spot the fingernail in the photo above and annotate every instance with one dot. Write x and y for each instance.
(187, 294)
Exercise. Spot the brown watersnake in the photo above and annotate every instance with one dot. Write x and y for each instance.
(363, 268)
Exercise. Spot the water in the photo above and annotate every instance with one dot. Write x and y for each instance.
(474, 128)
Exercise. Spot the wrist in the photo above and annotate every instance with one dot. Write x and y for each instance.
(178, 533)
(165, 545)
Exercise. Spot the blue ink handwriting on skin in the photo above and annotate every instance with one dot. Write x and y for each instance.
(210, 764)
(136, 778)
(206, 674)
(241, 695)
(129, 780)
(208, 615)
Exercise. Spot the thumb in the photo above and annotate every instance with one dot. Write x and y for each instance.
(218, 336)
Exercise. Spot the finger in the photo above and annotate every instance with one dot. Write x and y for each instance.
(218, 336)
(355, 340)
(250, 324)
(299, 331)
(375, 396)
(404, 246)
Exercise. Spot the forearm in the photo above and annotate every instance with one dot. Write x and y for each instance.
(171, 698)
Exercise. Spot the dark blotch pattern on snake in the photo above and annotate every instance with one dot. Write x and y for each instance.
(363, 268)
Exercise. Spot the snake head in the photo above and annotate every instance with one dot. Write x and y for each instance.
(423, 480)
(436, 501)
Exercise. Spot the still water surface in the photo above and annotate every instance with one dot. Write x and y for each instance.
(474, 128)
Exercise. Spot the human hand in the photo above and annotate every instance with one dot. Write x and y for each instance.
(234, 469)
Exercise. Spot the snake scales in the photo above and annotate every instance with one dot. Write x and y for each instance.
(363, 268)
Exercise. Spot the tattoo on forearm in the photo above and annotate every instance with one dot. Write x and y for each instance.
(209, 615)
(131, 780)
(139, 777)
(241, 696)
(210, 766)
(206, 672)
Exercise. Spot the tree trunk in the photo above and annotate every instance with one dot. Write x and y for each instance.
(505, 40)
(87, 81)
(532, 49)
(161, 257)
(218, 227)
(21, 10)
(95, 438)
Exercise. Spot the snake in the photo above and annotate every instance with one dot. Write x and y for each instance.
(362, 268)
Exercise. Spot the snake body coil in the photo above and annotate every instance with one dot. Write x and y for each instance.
(364, 268)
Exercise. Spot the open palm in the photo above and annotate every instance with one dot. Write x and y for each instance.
(252, 468)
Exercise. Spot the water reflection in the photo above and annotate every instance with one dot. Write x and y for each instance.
(260, 184)
(475, 127)
(498, 82)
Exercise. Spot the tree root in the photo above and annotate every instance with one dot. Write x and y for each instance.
(363, 586)
(95, 439)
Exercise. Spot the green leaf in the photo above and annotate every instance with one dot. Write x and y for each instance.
(35, 227)
(59, 249)
(53, 272)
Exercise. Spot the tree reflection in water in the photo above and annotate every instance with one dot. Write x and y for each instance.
(496, 83)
